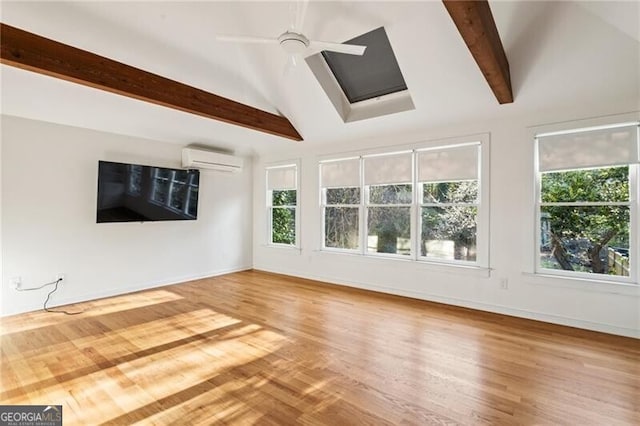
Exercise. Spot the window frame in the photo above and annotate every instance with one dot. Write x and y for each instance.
(633, 203)
(324, 205)
(295, 164)
(366, 196)
(482, 216)
(482, 229)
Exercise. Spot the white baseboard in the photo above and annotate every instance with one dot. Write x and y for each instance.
(498, 309)
(124, 290)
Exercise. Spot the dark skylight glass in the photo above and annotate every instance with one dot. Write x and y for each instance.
(374, 74)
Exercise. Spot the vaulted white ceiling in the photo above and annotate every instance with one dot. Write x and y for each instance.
(560, 53)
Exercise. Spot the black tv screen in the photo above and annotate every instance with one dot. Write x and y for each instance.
(135, 193)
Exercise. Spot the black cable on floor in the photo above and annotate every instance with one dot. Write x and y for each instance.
(56, 282)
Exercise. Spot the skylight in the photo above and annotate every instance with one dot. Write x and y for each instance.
(374, 74)
(363, 87)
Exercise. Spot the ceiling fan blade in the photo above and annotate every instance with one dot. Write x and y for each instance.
(351, 49)
(247, 39)
(301, 14)
(297, 12)
(292, 63)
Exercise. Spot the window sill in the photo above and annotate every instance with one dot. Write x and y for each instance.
(423, 265)
(591, 285)
(284, 247)
(456, 268)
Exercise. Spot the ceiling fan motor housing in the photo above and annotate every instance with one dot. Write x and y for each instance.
(293, 43)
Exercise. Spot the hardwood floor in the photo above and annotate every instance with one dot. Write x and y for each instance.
(253, 347)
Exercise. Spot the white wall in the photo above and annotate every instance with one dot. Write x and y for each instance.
(586, 304)
(49, 184)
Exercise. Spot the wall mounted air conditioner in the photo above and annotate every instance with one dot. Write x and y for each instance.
(193, 158)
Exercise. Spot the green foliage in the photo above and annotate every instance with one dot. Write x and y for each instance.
(283, 217)
(583, 231)
(591, 223)
(607, 184)
(284, 197)
(450, 192)
(594, 185)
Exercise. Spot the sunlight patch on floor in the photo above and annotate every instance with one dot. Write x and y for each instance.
(37, 319)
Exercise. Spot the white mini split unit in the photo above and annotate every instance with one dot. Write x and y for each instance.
(193, 158)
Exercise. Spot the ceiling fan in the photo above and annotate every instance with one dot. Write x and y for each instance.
(293, 42)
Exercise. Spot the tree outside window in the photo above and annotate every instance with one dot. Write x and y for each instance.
(449, 220)
(389, 219)
(282, 203)
(341, 218)
(283, 217)
(586, 215)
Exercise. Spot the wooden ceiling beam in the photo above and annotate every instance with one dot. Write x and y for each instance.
(32, 52)
(478, 30)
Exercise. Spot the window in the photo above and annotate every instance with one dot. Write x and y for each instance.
(363, 87)
(449, 202)
(388, 185)
(341, 198)
(587, 202)
(282, 201)
(424, 204)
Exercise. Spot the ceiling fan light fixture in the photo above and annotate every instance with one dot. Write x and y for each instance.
(293, 43)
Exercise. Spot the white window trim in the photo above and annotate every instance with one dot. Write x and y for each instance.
(269, 207)
(556, 277)
(482, 233)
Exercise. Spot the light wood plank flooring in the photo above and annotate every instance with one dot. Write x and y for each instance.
(253, 347)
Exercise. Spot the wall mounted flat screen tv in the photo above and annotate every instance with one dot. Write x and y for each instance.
(136, 193)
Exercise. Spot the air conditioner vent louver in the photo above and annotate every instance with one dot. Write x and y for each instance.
(200, 159)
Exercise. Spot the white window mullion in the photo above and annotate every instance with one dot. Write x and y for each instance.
(269, 225)
(414, 235)
(362, 210)
(634, 238)
(364, 240)
(537, 225)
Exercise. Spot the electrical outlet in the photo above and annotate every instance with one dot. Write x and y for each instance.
(16, 283)
(61, 276)
(504, 283)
